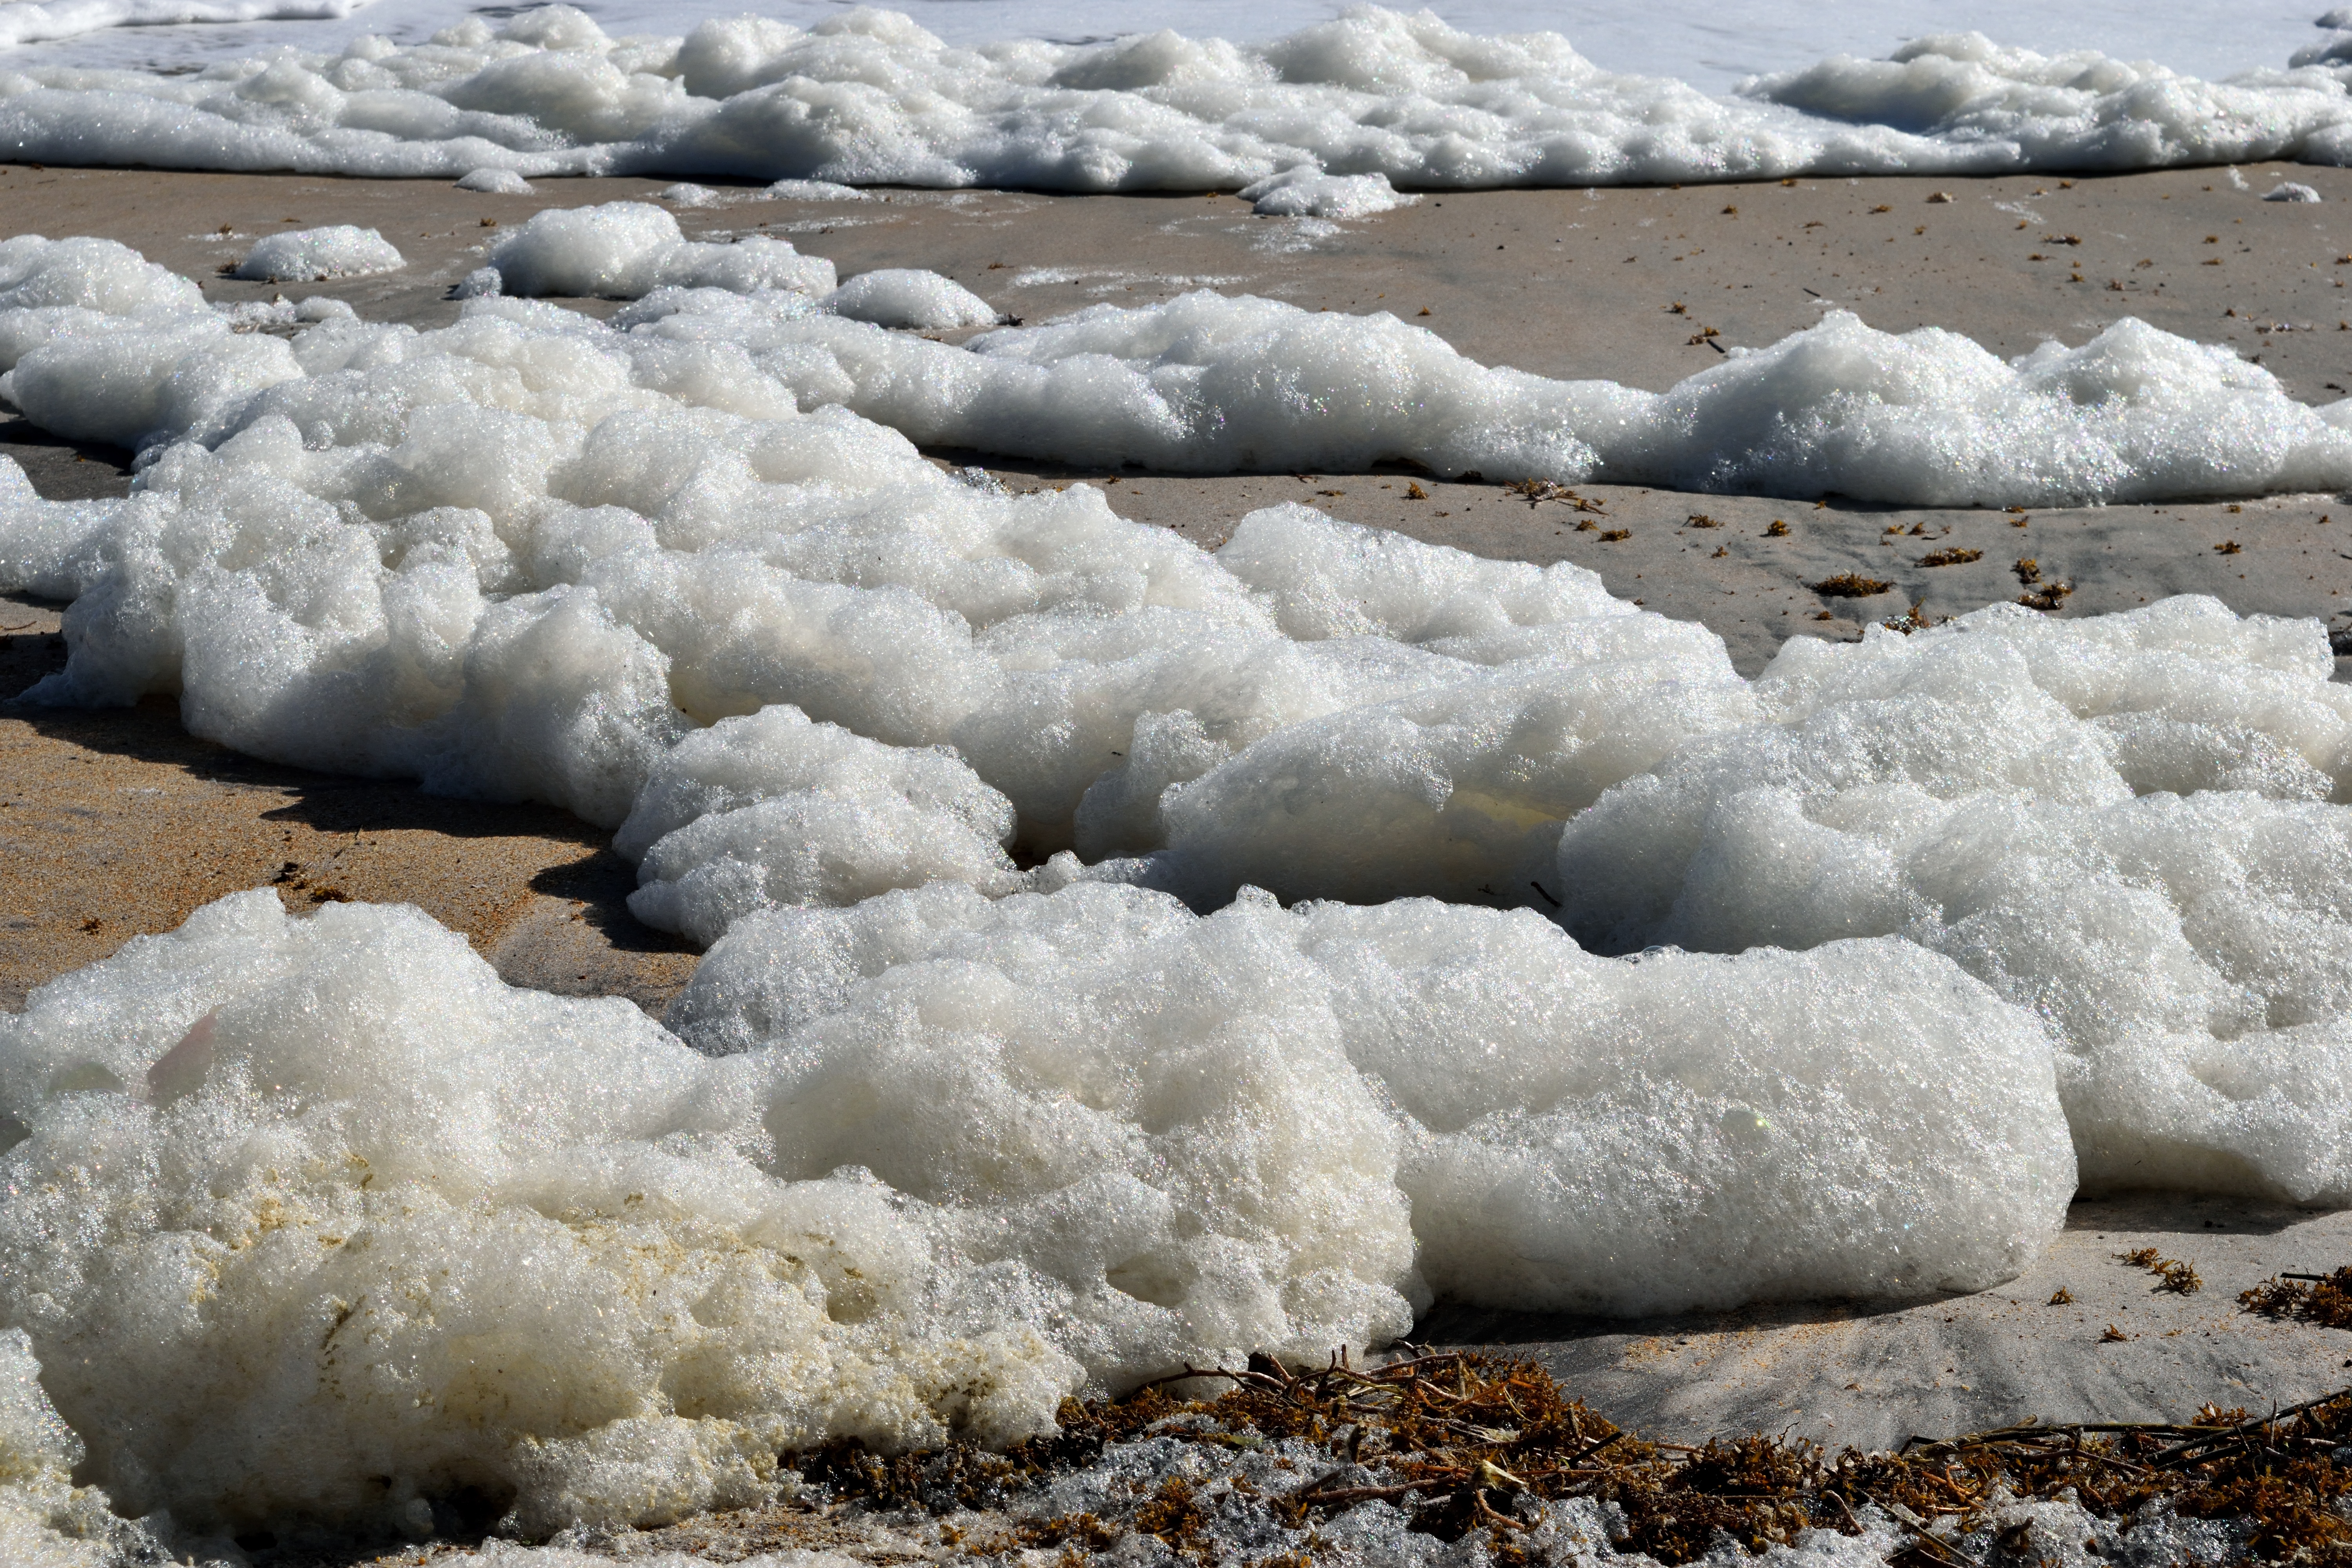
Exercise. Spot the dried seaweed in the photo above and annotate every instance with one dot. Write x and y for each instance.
(2321, 1298)
(1461, 1442)
(2171, 1273)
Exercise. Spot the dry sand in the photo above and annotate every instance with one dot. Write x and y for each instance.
(118, 823)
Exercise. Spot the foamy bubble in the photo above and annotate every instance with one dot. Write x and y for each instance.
(496, 182)
(626, 250)
(908, 297)
(1363, 102)
(306, 255)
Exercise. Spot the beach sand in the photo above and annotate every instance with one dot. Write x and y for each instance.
(117, 823)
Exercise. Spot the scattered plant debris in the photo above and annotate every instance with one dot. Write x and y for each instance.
(2039, 595)
(2321, 1298)
(2227, 547)
(1462, 1443)
(1955, 555)
(1849, 585)
(2062, 1296)
(1778, 531)
(2171, 1273)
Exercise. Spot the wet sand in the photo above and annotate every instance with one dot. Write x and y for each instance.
(118, 823)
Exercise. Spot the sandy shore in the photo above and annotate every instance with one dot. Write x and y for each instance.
(118, 823)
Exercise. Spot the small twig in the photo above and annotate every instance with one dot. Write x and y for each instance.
(1979, 1439)
(1594, 1451)
(1909, 1521)
(1250, 1379)
(2178, 1454)
(1320, 1482)
(1486, 1511)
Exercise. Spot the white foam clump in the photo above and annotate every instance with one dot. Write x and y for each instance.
(1203, 384)
(2289, 190)
(628, 250)
(52, 287)
(306, 255)
(557, 1274)
(1306, 191)
(815, 191)
(1960, 103)
(450, 1234)
(100, 345)
(417, 560)
(910, 297)
(1930, 418)
(520, 556)
(46, 1521)
(868, 97)
(2123, 822)
(770, 809)
(496, 182)
(44, 21)
(284, 313)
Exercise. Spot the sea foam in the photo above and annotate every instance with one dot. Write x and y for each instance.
(1371, 100)
(40, 21)
(316, 1219)
(1008, 1073)
(303, 256)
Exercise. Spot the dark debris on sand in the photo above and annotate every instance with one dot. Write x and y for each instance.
(1463, 1445)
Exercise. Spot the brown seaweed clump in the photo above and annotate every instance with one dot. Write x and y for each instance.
(2325, 1300)
(1460, 1442)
